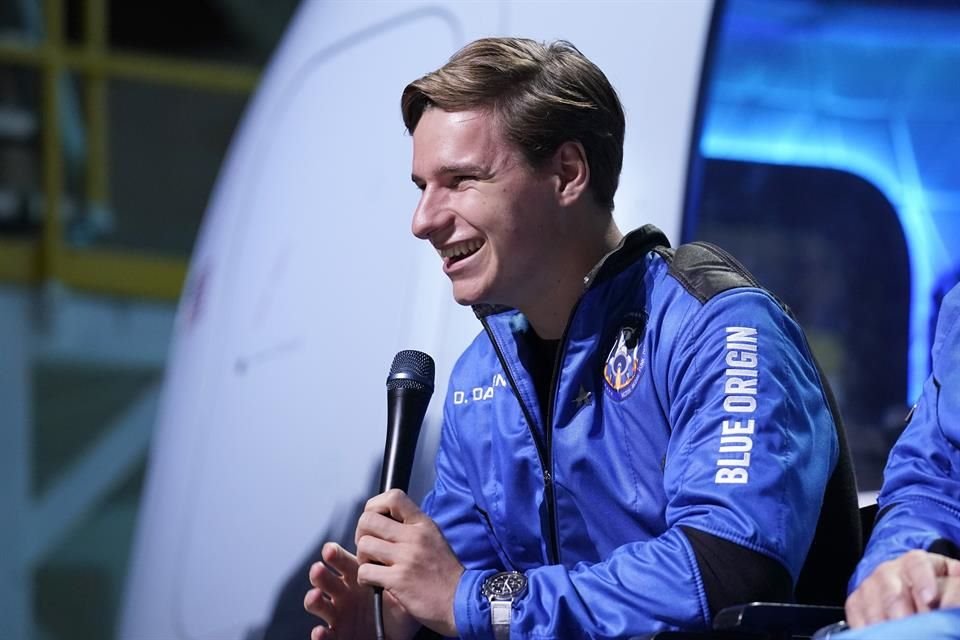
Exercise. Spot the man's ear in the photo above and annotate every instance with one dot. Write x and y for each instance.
(573, 172)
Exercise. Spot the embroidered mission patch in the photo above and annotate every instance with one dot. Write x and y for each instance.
(626, 361)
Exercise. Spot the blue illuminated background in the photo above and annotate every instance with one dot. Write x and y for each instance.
(871, 89)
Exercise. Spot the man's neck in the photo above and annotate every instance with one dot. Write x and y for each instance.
(550, 313)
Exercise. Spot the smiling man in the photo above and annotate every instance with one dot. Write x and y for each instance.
(659, 444)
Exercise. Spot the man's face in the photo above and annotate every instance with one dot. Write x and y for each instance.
(485, 210)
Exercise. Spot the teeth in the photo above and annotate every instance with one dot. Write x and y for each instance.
(460, 249)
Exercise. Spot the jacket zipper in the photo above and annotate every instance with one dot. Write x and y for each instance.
(543, 445)
(548, 433)
(543, 450)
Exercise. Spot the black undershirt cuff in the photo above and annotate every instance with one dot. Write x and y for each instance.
(945, 547)
(733, 574)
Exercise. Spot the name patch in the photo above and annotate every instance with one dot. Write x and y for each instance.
(478, 394)
(740, 399)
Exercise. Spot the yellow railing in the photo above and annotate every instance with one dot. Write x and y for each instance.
(49, 257)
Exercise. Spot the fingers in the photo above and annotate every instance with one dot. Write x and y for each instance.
(920, 571)
(343, 563)
(384, 516)
(333, 579)
(953, 568)
(913, 583)
(395, 504)
(377, 525)
(884, 595)
(320, 632)
(375, 575)
(383, 540)
(853, 609)
(320, 604)
(371, 547)
(950, 591)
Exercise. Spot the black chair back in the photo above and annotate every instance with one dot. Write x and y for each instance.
(839, 538)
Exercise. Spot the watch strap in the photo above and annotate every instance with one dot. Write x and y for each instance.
(500, 614)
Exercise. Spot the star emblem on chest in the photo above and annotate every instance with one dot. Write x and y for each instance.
(584, 398)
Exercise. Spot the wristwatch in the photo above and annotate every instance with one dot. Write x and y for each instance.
(501, 589)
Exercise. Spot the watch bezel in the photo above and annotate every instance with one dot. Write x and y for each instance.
(515, 581)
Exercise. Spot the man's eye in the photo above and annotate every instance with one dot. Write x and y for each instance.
(458, 180)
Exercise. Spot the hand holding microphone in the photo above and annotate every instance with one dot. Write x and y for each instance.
(409, 387)
(399, 548)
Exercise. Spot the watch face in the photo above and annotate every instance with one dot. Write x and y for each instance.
(505, 585)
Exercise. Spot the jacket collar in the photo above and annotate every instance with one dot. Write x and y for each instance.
(632, 247)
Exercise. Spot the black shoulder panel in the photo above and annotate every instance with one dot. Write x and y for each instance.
(705, 270)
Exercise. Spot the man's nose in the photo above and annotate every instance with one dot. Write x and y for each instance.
(430, 215)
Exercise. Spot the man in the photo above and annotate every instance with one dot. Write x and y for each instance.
(912, 562)
(651, 441)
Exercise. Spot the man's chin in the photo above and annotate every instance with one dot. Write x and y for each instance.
(468, 298)
(467, 301)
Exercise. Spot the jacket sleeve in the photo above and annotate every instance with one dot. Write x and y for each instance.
(920, 498)
(752, 447)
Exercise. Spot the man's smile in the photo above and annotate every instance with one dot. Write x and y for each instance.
(460, 250)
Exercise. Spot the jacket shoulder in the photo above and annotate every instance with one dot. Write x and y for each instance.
(705, 270)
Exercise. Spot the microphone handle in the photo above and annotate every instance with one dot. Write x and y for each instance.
(405, 411)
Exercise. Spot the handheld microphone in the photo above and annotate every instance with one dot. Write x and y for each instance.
(409, 387)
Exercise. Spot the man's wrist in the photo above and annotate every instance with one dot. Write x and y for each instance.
(502, 590)
(471, 611)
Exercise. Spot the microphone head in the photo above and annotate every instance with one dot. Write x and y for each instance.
(411, 370)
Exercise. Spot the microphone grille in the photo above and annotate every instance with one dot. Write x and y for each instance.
(411, 370)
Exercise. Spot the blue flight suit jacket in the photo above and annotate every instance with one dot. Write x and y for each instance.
(682, 397)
